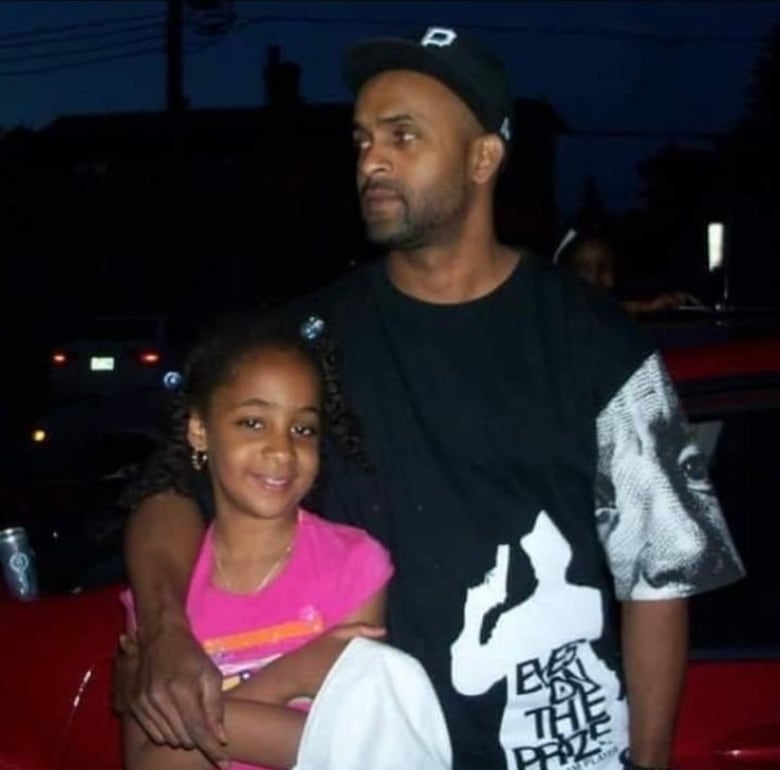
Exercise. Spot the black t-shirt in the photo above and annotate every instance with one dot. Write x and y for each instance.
(481, 421)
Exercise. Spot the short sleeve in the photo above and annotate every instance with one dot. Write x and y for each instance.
(619, 346)
(657, 513)
(367, 569)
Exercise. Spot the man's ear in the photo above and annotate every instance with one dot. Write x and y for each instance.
(196, 433)
(488, 153)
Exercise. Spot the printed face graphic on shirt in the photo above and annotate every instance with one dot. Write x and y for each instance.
(657, 512)
(563, 706)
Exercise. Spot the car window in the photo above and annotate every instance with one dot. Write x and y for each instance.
(744, 467)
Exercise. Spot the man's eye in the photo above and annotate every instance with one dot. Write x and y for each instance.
(359, 141)
(403, 137)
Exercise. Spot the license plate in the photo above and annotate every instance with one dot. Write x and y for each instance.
(101, 363)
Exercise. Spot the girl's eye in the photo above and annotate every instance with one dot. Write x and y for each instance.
(306, 430)
(253, 423)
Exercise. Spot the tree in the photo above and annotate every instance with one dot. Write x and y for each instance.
(751, 152)
(762, 116)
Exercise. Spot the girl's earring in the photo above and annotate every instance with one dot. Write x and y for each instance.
(198, 458)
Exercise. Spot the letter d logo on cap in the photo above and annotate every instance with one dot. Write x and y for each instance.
(438, 36)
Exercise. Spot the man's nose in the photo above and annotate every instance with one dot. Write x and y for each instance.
(374, 159)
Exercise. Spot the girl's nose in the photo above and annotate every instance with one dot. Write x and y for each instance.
(279, 444)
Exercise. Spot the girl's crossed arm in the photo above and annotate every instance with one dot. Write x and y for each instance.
(260, 728)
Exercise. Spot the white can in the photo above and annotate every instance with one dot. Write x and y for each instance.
(18, 561)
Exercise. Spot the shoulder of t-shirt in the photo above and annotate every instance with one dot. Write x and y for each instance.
(597, 325)
(343, 536)
(345, 541)
(337, 298)
(353, 565)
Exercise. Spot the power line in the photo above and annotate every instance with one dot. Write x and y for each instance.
(84, 36)
(190, 49)
(97, 29)
(202, 45)
(640, 133)
(592, 31)
(43, 31)
(80, 51)
(100, 31)
(83, 63)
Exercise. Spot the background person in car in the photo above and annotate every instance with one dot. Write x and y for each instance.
(593, 259)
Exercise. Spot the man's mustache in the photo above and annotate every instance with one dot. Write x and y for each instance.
(379, 186)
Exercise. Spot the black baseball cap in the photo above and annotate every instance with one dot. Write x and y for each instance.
(474, 74)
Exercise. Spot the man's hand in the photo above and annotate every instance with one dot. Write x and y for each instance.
(667, 301)
(175, 691)
(125, 670)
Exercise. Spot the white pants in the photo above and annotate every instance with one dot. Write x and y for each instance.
(376, 710)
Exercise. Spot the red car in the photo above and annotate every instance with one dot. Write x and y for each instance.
(58, 650)
(730, 713)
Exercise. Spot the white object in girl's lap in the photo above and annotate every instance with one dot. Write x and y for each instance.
(376, 710)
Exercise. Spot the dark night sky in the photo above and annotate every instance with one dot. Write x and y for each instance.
(670, 69)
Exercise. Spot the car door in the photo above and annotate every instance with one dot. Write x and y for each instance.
(730, 712)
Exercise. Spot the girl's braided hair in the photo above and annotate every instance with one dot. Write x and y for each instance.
(212, 362)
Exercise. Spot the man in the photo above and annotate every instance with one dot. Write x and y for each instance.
(484, 383)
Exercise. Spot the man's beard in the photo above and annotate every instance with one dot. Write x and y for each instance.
(415, 230)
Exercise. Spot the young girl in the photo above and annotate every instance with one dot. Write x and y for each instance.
(271, 577)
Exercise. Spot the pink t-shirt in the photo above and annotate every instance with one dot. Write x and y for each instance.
(333, 570)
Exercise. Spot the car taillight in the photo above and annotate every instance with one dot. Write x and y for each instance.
(149, 357)
(59, 359)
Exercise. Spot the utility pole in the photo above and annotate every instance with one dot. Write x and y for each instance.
(174, 53)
